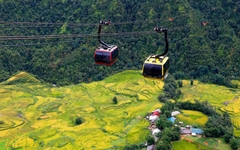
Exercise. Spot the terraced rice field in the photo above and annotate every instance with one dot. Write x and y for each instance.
(223, 98)
(35, 115)
(39, 116)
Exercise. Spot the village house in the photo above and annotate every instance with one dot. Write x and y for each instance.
(175, 113)
(190, 130)
(151, 147)
(154, 117)
(155, 131)
(185, 131)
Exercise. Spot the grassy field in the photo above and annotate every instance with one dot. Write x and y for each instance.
(186, 145)
(209, 143)
(35, 115)
(190, 117)
(195, 143)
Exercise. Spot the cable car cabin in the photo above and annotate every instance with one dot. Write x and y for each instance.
(156, 67)
(106, 56)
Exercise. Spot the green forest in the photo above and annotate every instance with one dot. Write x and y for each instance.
(204, 38)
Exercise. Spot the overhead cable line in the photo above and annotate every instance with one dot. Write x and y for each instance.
(4, 38)
(20, 26)
(35, 44)
(46, 23)
(84, 24)
(67, 41)
(96, 24)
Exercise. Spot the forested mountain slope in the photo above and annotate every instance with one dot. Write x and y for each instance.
(204, 37)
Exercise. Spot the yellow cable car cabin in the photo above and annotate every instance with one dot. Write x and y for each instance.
(156, 67)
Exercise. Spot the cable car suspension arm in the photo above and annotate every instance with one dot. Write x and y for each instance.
(160, 30)
(99, 32)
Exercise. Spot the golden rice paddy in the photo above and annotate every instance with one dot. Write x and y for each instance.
(192, 117)
(221, 97)
(39, 116)
(43, 117)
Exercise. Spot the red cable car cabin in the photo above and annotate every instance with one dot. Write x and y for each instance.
(106, 55)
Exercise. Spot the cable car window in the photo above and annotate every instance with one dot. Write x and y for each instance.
(147, 69)
(157, 70)
(102, 56)
(115, 53)
(166, 66)
(152, 70)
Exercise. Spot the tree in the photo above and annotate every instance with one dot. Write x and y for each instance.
(180, 83)
(115, 101)
(163, 145)
(163, 123)
(173, 135)
(178, 93)
(191, 82)
(150, 140)
(165, 137)
(131, 147)
(162, 98)
(179, 75)
(79, 120)
(177, 129)
(227, 137)
(234, 143)
(169, 105)
(167, 114)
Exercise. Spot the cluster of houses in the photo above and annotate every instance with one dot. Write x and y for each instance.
(153, 117)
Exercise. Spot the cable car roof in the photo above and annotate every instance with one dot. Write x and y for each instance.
(108, 49)
(156, 60)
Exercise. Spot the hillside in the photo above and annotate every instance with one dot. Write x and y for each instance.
(21, 77)
(204, 38)
(40, 116)
(44, 116)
